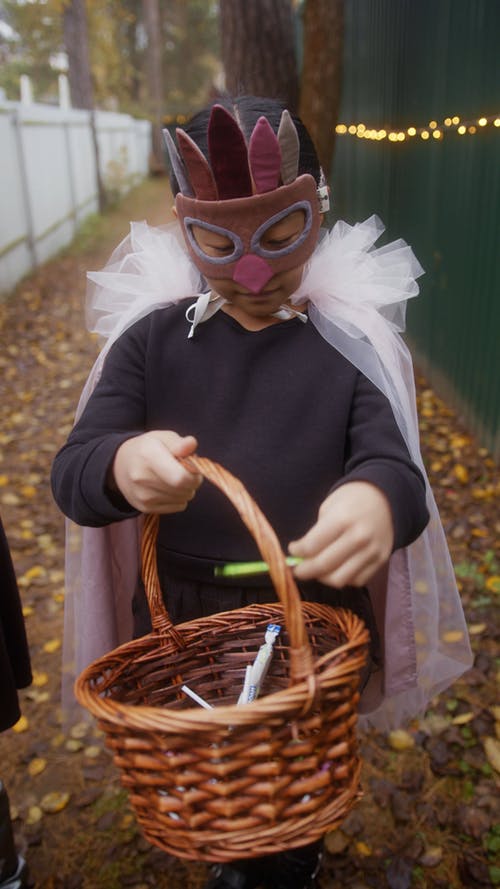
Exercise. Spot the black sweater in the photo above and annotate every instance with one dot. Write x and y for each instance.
(280, 408)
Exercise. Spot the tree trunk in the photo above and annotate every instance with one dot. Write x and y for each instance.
(152, 21)
(258, 49)
(79, 75)
(322, 74)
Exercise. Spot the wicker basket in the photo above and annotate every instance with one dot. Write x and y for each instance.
(233, 782)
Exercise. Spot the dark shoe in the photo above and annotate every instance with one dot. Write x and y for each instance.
(19, 879)
(296, 869)
(239, 875)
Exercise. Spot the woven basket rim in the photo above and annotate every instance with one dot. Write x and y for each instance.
(142, 716)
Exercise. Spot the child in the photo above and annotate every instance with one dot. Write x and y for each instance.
(288, 370)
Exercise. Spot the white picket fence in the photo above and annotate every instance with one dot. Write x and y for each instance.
(48, 176)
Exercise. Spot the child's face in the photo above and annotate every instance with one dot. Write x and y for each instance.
(278, 289)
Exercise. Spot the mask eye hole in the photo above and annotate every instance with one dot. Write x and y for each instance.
(284, 232)
(211, 242)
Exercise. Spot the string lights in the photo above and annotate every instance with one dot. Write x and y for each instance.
(433, 130)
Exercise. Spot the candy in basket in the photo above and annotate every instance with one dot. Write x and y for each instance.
(232, 780)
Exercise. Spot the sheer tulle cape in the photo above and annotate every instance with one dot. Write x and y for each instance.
(357, 296)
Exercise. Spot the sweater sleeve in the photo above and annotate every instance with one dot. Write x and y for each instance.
(115, 411)
(376, 453)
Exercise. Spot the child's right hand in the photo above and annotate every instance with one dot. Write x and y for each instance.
(146, 472)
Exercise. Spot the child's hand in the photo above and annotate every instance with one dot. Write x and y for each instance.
(145, 470)
(351, 540)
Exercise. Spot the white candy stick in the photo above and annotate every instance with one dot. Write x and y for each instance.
(191, 694)
(246, 685)
(262, 661)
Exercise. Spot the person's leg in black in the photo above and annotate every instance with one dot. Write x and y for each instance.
(296, 868)
(247, 873)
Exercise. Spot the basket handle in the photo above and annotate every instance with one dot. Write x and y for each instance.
(301, 661)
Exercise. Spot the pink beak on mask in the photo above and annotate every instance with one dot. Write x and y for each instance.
(252, 272)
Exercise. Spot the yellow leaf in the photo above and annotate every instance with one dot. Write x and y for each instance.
(80, 729)
(459, 441)
(477, 629)
(462, 718)
(73, 745)
(28, 610)
(35, 815)
(363, 849)
(399, 739)
(453, 636)
(52, 646)
(479, 532)
(37, 766)
(54, 802)
(461, 473)
(93, 751)
(493, 583)
(4, 480)
(40, 679)
(58, 597)
(10, 499)
(39, 697)
(21, 725)
(35, 571)
(492, 750)
(28, 491)
(56, 576)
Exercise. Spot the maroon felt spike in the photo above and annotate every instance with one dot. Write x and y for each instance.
(265, 156)
(198, 168)
(228, 155)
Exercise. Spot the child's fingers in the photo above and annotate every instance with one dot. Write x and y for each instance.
(165, 448)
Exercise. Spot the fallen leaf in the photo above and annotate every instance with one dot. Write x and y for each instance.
(336, 842)
(54, 802)
(79, 730)
(28, 491)
(52, 645)
(461, 473)
(462, 718)
(11, 499)
(400, 739)
(40, 679)
(477, 629)
(34, 815)
(37, 766)
(21, 725)
(453, 636)
(492, 750)
(363, 849)
(432, 856)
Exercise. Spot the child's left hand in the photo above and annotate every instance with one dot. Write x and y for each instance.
(352, 539)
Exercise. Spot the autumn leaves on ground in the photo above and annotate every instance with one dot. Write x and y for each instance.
(428, 815)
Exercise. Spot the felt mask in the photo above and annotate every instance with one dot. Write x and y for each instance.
(241, 194)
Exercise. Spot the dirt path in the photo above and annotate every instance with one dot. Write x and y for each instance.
(427, 819)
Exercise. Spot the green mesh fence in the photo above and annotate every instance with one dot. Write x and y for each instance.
(407, 63)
